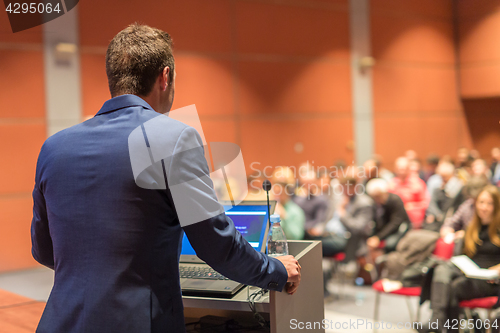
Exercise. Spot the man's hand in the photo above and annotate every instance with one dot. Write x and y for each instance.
(293, 269)
(495, 268)
(316, 231)
(445, 231)
(373, 242)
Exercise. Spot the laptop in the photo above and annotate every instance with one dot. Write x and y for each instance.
(197, 278)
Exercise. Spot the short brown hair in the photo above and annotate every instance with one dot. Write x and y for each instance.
(135, 57)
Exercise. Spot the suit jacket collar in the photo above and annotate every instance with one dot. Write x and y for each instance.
(121, 102)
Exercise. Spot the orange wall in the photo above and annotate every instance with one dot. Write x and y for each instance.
(263, 75)
(22, 132)
(483, 117)
(416, 104)
(479, 33)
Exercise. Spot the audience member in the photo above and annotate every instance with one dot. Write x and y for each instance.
(481, 244)
(314, 206)
(292, 216)
(351, 220)
(412, 191)
(389, 214)
(411, 154)
(464, 161)
(474, 154)
(480, 168)
(416, 168)
(495, 166)
(329, 192)
(453, 226)
(442, 198)
(432, 162)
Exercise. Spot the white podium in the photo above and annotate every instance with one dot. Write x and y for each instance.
(283, 310)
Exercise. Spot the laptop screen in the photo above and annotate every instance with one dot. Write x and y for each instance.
(249, 218)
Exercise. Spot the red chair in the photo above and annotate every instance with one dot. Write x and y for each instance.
(338, 269)
(486, 303)
(442, 250)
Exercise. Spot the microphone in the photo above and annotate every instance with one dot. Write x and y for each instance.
(266, 185)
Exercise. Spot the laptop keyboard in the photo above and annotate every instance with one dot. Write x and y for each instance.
(202, 272)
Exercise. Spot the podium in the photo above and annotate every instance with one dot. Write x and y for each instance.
(285, 312)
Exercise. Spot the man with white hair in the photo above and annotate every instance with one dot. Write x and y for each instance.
(389, 215)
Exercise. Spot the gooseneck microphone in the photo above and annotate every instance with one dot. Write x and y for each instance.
(266, 185)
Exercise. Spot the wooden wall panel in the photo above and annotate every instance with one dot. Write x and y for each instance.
(415, 93)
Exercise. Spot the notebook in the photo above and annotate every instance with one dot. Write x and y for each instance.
(472, 270)
(197, 278)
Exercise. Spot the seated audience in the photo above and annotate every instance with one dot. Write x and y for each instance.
(412, 190)
(292, 216)
(350, 225)
(442, 198)
(481, 244)
(389, 214)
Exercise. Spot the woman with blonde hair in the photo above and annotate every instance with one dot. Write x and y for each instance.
(482, 244)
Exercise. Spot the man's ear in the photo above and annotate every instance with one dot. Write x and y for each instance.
(165, 78)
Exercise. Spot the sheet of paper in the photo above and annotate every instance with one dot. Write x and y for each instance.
(391, 285)
(473, 271)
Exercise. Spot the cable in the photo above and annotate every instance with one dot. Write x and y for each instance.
(255, 297)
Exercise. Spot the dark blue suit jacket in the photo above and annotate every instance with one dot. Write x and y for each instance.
(115, 246)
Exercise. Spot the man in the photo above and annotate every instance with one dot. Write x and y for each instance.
(432, 163)
(495, 166)
(348, 229)
(315, 206)
(412, 190)
(292, 216)
(389, 215)
(115, 246)
(443, 198)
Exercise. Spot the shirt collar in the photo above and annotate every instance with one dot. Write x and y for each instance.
(121, 102)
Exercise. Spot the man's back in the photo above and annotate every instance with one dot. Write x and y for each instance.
(116, 247)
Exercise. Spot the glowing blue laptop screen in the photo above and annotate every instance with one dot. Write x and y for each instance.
(249, 220)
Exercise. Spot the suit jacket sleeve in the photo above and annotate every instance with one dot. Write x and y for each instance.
(215, 239)
(41, 242)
